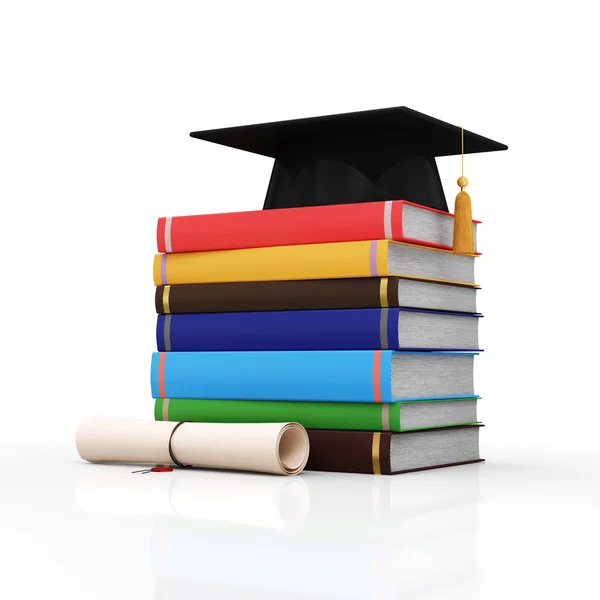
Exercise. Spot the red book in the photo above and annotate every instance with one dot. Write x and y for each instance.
(392, 219)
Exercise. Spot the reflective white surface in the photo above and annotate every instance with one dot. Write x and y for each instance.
(520, 526)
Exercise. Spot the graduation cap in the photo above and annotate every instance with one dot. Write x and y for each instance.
(368, 156)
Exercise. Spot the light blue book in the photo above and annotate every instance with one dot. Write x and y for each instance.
(329, 376)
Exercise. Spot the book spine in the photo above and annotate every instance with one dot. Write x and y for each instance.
(365, 292)
(284, 263)
(351, 329)
(315, 415)
(346, 376)
(349, 451)
(280, 227)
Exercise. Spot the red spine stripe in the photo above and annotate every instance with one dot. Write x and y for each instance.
(377, 376)
(161, 375)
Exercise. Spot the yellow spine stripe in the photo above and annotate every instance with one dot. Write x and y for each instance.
(375, 453)
(383, 297)
(166, 307)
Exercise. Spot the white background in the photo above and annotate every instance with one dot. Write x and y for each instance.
(96, 103)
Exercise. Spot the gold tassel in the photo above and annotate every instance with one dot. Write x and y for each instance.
(463, 219)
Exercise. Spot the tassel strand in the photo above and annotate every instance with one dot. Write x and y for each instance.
(463, 242)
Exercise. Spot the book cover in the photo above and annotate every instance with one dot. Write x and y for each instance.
(367, 452)
(361, 416)
(361, 292)
(329, 376)
(348, 329)
(396, 220)
(375, 258)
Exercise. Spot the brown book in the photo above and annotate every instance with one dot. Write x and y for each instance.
(367, 292)
(389, 453)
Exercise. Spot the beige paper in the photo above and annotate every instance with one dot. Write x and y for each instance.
(280, 448)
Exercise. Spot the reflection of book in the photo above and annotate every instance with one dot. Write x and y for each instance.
(399, 527)
(328, 567)
(410, 510)
(460, 586)
(175, 589)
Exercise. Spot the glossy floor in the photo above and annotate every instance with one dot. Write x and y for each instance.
(507, 527)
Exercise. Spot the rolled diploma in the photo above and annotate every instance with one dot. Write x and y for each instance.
(280, 448)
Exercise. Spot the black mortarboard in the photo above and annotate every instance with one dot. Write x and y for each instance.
(386, 154)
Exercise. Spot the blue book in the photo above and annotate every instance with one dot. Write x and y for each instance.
(348, 329)
(329, 376)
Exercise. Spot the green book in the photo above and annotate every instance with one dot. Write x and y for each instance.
(368, 416)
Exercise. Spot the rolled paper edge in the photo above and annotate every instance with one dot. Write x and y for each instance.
(300, 444)
(78, 440)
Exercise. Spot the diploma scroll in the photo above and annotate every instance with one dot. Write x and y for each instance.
(280, 448)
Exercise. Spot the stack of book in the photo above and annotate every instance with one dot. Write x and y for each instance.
(356, 321)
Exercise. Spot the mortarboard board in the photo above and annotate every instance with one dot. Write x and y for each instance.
(385, 154)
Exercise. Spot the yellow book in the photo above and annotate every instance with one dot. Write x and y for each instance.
(341, 260)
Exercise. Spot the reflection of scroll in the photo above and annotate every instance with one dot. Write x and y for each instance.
(236, 498)
(314, 504)
(280, 448)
